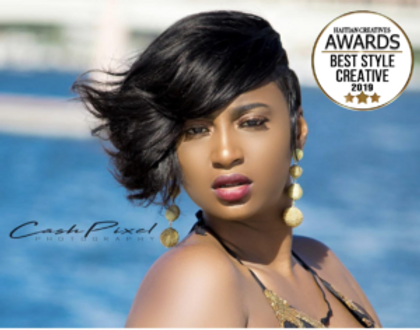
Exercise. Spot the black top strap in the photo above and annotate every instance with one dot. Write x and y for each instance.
(326, 319)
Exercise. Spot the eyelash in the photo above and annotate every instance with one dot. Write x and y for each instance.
(259, 120)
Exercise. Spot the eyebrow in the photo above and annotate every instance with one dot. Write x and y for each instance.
(240, 110)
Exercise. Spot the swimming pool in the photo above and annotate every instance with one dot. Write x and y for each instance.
(361, 190)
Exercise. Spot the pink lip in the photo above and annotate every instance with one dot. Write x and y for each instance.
(232, 178)
(232, 194)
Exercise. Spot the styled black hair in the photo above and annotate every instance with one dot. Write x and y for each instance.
(195, 67)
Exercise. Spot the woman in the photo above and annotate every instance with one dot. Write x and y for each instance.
(212, 103)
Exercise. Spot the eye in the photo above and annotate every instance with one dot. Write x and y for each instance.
(194, 130)
(255, 122)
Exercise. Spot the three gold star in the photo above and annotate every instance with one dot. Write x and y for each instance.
(349, 97)
(375, 98)
(362, 97)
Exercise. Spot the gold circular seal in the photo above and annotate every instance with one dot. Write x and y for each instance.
(362, 60)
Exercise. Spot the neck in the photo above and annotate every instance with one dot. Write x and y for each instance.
(262, 240)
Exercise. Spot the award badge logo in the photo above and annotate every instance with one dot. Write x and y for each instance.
(362, 60)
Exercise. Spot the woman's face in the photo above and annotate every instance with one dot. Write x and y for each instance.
(254, 143)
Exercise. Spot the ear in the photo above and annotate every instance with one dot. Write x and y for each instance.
(302, 129)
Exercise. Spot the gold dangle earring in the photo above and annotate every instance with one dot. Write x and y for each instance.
(292, 216)
(169, 237)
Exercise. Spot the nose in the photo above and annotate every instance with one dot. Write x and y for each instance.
(226, 149)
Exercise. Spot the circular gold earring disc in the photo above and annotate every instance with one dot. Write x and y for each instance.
(292, 216)
(298, 154)
(169, 237)
(172, 212)
(295, 191)
(295, 171)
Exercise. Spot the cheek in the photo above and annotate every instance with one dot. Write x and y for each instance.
(196, 182)
(192, 163)
(269, 156)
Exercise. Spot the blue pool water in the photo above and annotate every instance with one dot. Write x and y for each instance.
(361, 192)
(37, 83)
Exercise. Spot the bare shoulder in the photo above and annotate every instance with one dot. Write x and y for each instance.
(319, 256)
(192, 285)
(327, 264)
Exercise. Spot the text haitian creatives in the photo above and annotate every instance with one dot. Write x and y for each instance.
(362, 60)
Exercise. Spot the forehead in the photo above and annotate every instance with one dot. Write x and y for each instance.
(268, 93)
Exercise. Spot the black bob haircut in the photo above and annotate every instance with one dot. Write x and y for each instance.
(195, 67)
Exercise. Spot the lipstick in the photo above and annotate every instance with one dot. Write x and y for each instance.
(232, 187)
